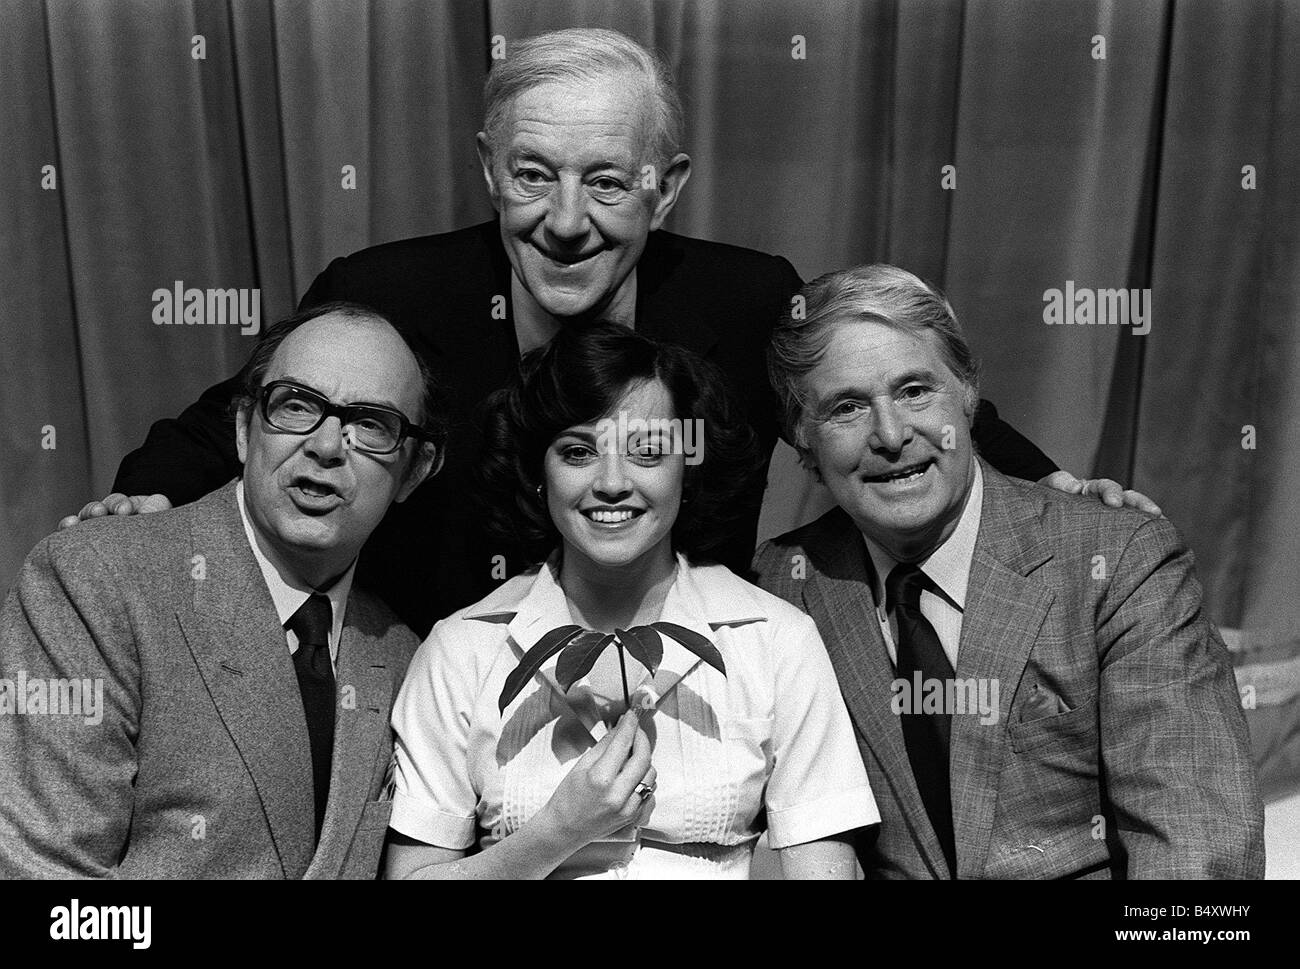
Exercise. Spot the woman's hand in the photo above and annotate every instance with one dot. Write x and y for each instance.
(597, 797)
(600, 794)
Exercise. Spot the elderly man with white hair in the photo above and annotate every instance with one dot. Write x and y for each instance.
(581, 154)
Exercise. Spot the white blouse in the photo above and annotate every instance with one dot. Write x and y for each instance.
(769, 745)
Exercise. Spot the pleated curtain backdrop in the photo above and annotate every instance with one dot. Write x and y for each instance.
(1102, 145)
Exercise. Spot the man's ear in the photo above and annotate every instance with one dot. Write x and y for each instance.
(972, 401)
(671, 183)
(241, 431)
(485, 160)
(425, 463)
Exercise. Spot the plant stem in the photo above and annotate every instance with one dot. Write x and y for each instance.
(622, 668)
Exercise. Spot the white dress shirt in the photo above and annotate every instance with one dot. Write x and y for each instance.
(948, 567)
(289, 593)
(772, 738)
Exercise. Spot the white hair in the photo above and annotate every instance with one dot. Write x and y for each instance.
(584, 54)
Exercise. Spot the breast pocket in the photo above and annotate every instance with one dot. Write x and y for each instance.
(1073, 729)
(1050, 786)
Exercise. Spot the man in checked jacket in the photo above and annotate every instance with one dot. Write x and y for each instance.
(1036, 689)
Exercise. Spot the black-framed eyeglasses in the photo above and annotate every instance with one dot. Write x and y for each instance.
(373, 428)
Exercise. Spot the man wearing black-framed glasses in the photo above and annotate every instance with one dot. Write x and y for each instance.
(373, 428)
(233, 686)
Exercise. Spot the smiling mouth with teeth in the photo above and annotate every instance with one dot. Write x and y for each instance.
(611, 517)
(909, 473)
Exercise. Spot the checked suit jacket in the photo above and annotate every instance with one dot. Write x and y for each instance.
(1120, 747)
(201, 765)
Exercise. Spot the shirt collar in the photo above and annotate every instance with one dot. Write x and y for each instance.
(948, 566)
(289, 592)
(702, 597)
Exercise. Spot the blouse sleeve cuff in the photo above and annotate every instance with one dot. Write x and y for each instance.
(840, 812)
(424, 822)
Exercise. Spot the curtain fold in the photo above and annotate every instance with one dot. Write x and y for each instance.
(46, 463)
(1222, 352)
(1049, 162)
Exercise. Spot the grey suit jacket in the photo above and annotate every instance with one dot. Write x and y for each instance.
(200, 766)
(1120, 748)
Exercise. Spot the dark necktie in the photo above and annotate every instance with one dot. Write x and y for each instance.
(925, 734)
(311, 624)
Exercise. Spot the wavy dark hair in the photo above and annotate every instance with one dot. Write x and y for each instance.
(578, 378)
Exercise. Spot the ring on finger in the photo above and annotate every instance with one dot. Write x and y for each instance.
(644, 790)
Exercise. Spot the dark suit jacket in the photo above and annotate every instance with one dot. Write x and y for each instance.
(429, 557)
(201, 766)
(1120, 746)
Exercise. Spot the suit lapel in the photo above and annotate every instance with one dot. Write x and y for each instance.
(1005, 609)
(838, 596)
(360, 728)
(239, 647)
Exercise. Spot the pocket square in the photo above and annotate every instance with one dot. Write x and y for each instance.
(1041, 703)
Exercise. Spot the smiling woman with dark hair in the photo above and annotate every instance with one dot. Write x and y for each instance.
(623, 709)
(577, 378)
